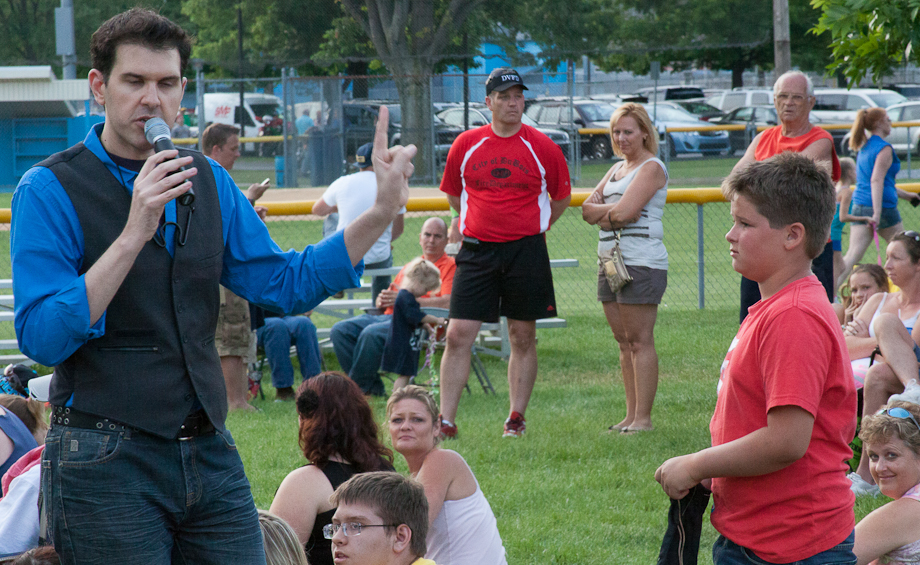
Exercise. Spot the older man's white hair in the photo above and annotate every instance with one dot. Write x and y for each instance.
(809, 86)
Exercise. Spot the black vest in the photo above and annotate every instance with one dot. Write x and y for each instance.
(158, 350)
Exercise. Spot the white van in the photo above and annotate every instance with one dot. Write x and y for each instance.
(224, 108)
(738, 97)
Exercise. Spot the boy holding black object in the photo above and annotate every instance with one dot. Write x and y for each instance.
(784, 414)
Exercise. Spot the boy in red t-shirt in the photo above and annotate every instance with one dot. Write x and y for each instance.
(786, 401)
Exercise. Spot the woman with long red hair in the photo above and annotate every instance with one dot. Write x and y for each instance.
(339, 438)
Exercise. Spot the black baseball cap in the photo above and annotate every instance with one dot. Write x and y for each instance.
(503, 78)
(363, 156)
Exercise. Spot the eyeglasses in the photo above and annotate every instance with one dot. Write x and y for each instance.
(901, 414)
(912, 234)
(797, 98)
(351, 528)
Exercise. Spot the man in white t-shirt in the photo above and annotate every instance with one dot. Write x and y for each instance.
(350, 196)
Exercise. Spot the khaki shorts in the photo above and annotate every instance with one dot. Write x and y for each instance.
(647, 287)
(234, 330)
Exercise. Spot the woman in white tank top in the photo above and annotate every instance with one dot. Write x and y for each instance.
(631, 198)
(462, 528)
(886, 323)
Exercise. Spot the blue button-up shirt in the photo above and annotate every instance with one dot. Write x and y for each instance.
(46, 241)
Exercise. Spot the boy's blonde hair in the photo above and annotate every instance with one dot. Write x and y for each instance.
(423, 273)
(786, 189)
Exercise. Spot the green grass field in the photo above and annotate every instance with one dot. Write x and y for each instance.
(568, 493)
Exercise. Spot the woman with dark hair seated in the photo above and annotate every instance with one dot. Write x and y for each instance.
(891, 534)
(339, 438)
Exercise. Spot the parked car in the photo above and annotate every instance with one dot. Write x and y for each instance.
(728, 100)
(679, 142)
(480, 115)
(553, 113)
(679, 92)
(911, 91)
(698, 107)
(619, 99)
(224, 108)
(904, 112)
(360, 117)
(839, 106)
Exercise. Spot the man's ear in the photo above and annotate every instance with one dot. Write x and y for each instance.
(403, 538)
(97, 86)
(795, 236)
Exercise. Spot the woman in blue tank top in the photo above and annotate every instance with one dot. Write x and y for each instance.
(876, 195)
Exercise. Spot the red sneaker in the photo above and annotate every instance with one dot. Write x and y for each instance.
(514, 425)
(448, 430)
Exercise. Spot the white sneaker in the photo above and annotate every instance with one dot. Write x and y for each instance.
(861, 487)
(911, 393)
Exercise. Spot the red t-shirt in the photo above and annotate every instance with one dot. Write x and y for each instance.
(505, 183)
(772, 142)
(788, 352)
(446, 266)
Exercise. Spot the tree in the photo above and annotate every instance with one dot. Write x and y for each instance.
(869, 37)
(410, 36)
(27, 28)
(734, 35)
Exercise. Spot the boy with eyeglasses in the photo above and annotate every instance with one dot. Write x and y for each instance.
(785, 411)
(381, 519)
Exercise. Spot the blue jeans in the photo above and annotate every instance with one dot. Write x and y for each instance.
(277, 336)
(727, 552)
(358, 344)
(131, 498)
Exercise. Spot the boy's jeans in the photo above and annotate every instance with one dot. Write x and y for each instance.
(727, 552)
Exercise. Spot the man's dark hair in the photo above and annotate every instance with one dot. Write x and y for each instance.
(216, 135)
(137, 26)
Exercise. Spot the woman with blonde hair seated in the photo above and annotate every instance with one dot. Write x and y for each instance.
(462, 528)
(891, 534)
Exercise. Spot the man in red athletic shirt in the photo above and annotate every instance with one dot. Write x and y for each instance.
(794, 97)
(510, 183)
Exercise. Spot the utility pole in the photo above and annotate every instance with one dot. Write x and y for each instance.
(239, 33)
(64, 36)
(782, 53)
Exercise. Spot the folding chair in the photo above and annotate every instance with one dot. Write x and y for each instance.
(476, 363)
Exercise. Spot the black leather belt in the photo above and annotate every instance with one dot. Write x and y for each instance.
(195, 424)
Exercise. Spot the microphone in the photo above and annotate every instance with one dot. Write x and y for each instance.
(157, 133)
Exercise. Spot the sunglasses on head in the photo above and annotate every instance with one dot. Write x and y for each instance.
(901, 413)
(912, 234)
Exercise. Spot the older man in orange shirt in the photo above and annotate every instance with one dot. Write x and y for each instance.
(359, 341)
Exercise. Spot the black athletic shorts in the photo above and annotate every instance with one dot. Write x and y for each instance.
(510, 279)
